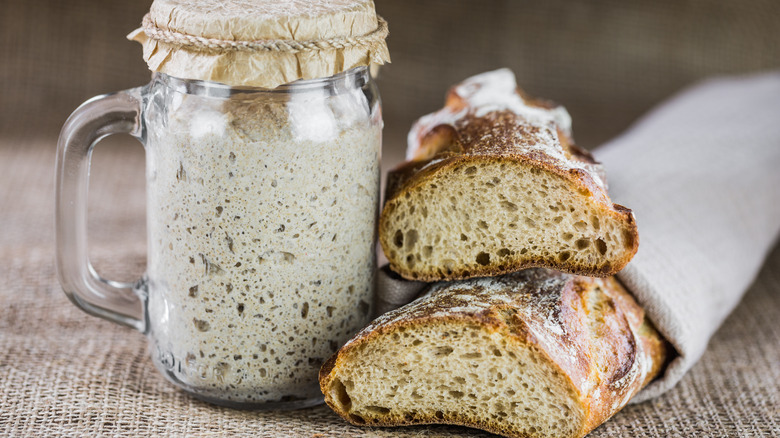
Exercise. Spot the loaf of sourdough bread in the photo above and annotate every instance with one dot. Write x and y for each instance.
(533, 353)
(494, 184)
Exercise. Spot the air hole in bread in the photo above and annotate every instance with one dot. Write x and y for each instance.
(567, 236)
(595, 222)
(564, 255)
(398, 238)
(357, 419)
(340, 395)
(471, 170)
(456, 394)
(463, 237)
(427, 250)
(475, 355)
(582, 243)
(581, 226)
(482, 224)
(509, 206)
(503, 252)
(378, 409)
(483, 258)
(601, 246)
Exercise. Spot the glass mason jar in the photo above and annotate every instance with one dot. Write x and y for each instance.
(261, 217)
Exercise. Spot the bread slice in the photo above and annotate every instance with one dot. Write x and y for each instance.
(534, 353)
(495, 184)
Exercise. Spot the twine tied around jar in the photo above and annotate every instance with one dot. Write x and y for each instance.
(287, 46)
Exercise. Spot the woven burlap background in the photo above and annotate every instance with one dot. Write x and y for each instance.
(63, 372)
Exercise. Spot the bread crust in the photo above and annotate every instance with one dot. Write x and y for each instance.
(590, 330)
(464, 135)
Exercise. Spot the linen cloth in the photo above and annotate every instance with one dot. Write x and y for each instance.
(702, 174)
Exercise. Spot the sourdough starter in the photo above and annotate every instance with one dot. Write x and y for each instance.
(261, 229)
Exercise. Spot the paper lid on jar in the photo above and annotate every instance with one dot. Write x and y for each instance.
(261, 43)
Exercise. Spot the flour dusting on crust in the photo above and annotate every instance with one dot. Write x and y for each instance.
(491, 116)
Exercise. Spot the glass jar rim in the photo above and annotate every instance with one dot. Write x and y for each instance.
(218, 89)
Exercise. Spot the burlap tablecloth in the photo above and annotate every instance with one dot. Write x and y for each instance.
(63, 372)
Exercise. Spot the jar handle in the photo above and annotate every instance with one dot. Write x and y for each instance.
(95, 119)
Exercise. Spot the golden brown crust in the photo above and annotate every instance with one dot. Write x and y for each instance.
(461, 135)
(590, 330)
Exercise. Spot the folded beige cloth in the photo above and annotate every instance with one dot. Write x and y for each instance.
(702, 174)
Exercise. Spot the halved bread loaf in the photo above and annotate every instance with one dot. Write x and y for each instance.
(534, 353)
(495, 184)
